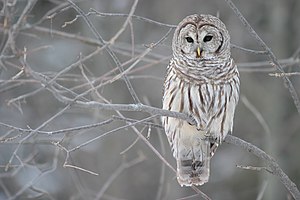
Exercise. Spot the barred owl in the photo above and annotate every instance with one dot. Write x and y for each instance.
(202, 81)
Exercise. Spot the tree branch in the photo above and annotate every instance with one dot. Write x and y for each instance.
(277, 171)
(108, 50)
(272, 57)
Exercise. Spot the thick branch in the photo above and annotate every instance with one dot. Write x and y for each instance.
(276, 170)
(134, 107)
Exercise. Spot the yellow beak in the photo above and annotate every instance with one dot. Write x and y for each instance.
(198, 52)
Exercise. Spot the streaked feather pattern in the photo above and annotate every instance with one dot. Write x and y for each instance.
(208, 90)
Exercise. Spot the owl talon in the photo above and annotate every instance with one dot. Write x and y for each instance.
(192, 121)
(211, 139)
(207, 135)
(199, 128)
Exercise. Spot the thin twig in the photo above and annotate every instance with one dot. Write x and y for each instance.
(119, 170)
(248, 50)
(109, 132)
(51, 14)
(151, 46)
(66, 130)
(154, 125)
(262, 191)
(189, 197)
(66, 165)
(130, 146)
(257, 115)
(101, 14)
(254, 168)
(126, 23)
(285, 74)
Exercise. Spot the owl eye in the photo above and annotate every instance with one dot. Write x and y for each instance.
(207, 38)
(189, 39)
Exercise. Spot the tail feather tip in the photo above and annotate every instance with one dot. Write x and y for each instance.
(196, 180)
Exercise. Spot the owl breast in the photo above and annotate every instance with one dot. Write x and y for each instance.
(212, 104)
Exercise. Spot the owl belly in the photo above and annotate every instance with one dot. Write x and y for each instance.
(211, 105)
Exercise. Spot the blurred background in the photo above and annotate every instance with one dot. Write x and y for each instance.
(53, 150)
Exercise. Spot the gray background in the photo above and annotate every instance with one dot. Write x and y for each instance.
(41, 175)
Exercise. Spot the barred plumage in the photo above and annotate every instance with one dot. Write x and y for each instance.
(204, 86)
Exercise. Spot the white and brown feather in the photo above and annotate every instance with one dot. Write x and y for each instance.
(206, 89)
(211, 103)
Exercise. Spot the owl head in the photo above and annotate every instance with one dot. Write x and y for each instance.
(200, 38)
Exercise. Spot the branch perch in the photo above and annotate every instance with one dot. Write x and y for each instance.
(276, 170)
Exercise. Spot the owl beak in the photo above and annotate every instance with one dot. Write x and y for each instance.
(198, 52)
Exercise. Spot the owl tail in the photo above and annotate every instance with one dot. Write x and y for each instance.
(193, 163)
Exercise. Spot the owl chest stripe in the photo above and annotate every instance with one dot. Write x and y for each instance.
(172, 92)
(181, 103)
(224, 116)
(212, 102)
(190, 99)
(207, 93)
(230, 94)
(220, 94)
(201, 99)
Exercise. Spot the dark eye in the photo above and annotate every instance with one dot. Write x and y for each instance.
(207, 38)
(189, 39)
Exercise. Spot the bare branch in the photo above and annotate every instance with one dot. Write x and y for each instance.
(277, 171)
(135, 107)
(272, 57)
(108, 49)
